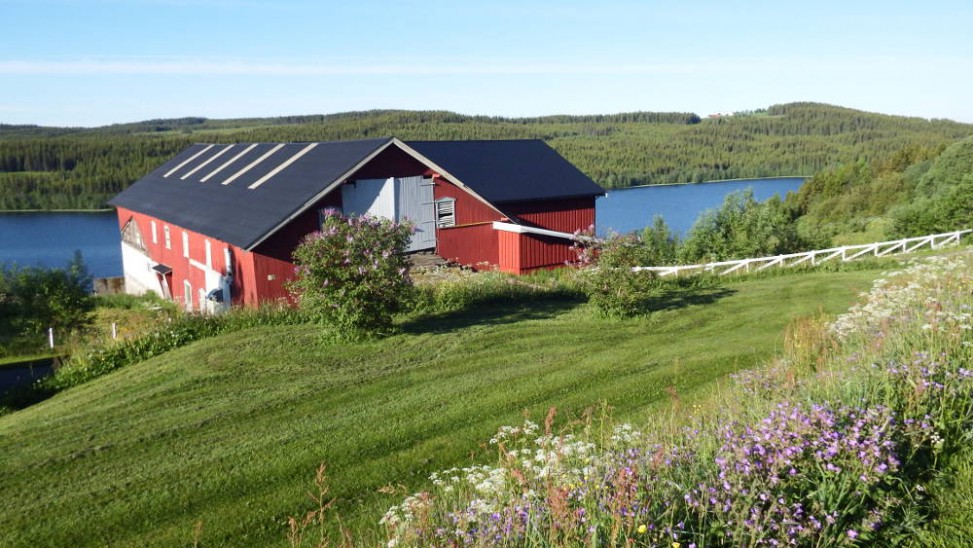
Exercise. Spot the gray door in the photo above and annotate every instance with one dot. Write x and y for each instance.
(416, 204)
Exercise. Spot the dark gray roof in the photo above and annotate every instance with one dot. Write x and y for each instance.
(509, 170)
(203, 191)
(241, 193)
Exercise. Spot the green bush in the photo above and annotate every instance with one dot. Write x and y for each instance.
(352, 275)
(742, 227)
(611, 285)
(35, 299)
(662, 245)
(943, 198)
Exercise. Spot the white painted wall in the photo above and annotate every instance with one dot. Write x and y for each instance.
(139, 276)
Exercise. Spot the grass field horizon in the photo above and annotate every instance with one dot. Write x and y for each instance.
(227, 432)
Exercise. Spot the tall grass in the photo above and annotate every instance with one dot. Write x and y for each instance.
(842, 440)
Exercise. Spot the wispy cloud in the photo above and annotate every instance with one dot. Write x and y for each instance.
(236, 67)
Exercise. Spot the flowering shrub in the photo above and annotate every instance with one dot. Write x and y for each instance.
(352, 274)
(844, 455)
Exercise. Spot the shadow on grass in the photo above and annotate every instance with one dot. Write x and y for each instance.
(506, 311)
(493, 312)
(681, 298)
(24, 384)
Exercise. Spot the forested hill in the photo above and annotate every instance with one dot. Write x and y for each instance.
(60, 168)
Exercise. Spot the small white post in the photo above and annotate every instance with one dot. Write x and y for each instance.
(50, 337)
(114, 330)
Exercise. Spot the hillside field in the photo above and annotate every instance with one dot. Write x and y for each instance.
(219, 441)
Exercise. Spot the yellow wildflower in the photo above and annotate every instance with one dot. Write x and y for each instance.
(643, 528)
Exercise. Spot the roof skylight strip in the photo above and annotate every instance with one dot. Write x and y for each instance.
(204, 164)
(282, 166)
(233, 159)
(190, 159)
(253, 164)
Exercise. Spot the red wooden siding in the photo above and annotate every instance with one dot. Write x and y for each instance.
(521, 253)
(270, 275)
(561, 215)
(526, 252)
(391, 162)
(472, 245)
(469, 210)
(509, 256)
(282, 243)
(472, 242)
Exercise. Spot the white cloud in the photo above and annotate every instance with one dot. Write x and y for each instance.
(232, 67)
(457, 66)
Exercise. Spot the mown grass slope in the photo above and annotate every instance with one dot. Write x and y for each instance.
(227, 432)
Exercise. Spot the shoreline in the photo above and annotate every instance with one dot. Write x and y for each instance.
(805, 177)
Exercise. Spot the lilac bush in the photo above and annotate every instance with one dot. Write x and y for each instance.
(352, 274)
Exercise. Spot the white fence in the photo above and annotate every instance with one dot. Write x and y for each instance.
(816, 257)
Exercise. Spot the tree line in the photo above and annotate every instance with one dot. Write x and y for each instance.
(60, 168)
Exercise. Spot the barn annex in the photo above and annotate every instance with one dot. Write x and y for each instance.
(218, 223)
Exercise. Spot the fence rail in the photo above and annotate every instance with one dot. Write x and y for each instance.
(813, 258)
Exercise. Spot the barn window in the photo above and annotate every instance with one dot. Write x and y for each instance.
(165, 229)
(185, 244)
(133, 236)
(446, 212)
(187, 295)
(155, 234)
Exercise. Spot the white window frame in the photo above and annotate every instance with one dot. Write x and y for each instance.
(185, 244)
(445, 212)
(209, 254)
(165, 229)
(187, 289)
(155, 233)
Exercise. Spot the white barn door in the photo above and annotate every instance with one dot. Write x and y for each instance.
(372, 196)
(409, 198)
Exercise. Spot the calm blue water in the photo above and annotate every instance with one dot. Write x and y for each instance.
(49, 240)
(629, 209)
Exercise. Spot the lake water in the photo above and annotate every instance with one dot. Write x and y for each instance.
(49, 239)
(625, 210)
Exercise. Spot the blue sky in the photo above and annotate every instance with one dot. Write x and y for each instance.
(96, 62)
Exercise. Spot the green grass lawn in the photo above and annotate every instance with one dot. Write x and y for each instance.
(228, 431)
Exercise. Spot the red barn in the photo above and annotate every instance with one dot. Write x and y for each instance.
(219, 222)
